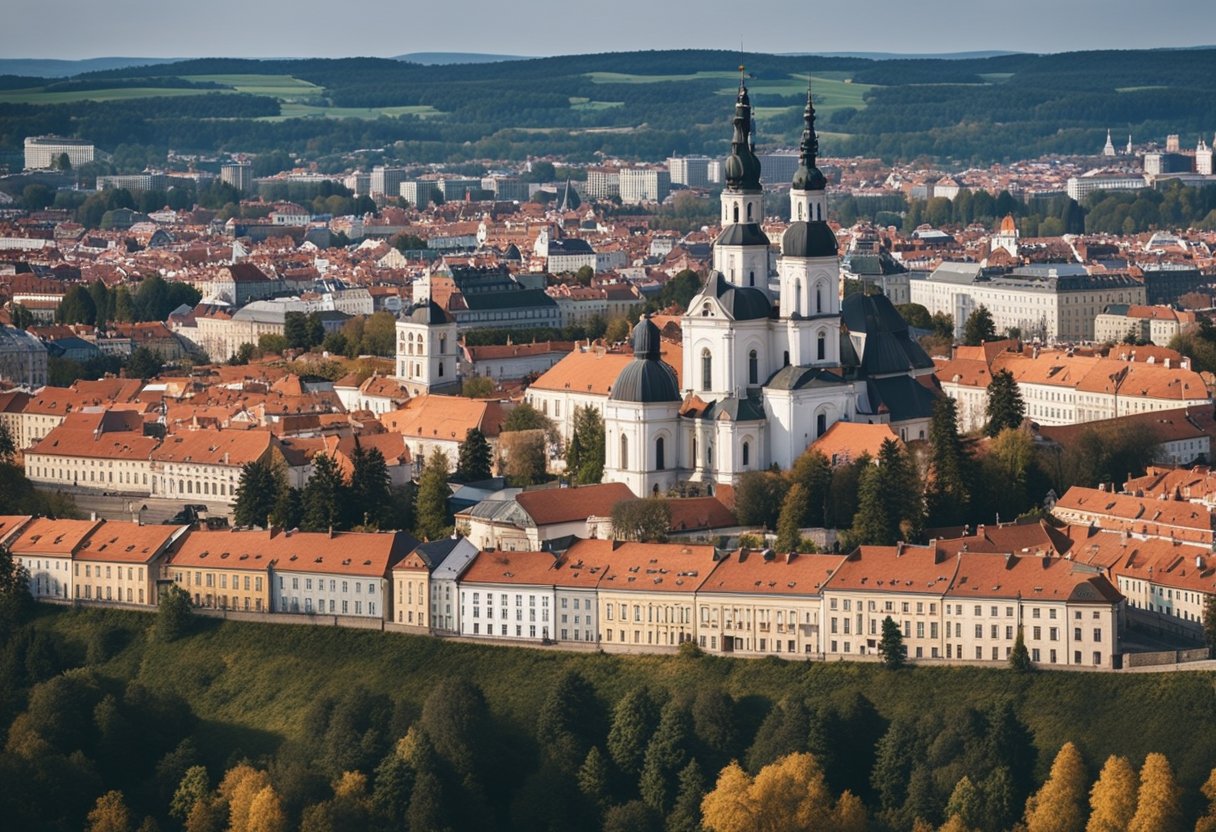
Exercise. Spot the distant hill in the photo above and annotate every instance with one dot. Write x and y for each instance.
(896, 56)
(53, 68)
(445, 58)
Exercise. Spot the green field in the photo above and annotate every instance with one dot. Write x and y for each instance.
(252, 684)
(275, 86)
(290, 109)
(38, 95)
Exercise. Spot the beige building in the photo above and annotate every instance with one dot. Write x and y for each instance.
(647, 601)
(224, 570)
(120, 563)
(100, 451)
(757, 603)
(46, 547)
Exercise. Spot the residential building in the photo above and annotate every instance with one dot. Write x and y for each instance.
(226, 570)
(647, 598)
(134, 182)
(103, 451)
(121, 563)
(238, 174)
(430, 422)
(603, 183)
(689, 171)
(339, 573)
(639, 185)
(530, 519)
(46, 549)
(1079, 187)
(512, 361)
(412, 581)
(778, 168)
(1140, 517)
(386, 181)
(445, 610)
(1183, 436)
(508, 595)
(1155, 324)
(761, 603)
(205, 465)
(44, 151)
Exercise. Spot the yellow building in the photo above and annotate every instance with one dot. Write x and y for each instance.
(226, 570)
(121, 562)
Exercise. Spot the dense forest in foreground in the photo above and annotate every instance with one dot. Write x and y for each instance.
(643, 105)
(121, 720)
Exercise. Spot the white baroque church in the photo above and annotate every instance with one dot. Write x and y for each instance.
(771, 361)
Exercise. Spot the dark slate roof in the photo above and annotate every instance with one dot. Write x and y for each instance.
(742, 303)
(871, 313)
(427, 312)
(524, 298)
(889, 346)
(802, 378)
(646, 339)
(903, 397)
(433, 552)
(512, 253)
(646, 380)
(742, 234)
(736, 410)
(573, 245)
(808, 239)
(872, 263)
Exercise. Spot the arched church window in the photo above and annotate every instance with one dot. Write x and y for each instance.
(798, 295)
(818, 297)
(753, 368)
(660, 461)
(707, 370)
(709, 454)
(736, 214)
(747, 454)
(821, 347)
(751, 278)
(749, 212)
(800, 211)
(821, 424)
(443, 344)
(786, 359)
(624, 452)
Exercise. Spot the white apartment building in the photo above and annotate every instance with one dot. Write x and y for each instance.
(1052, 308)
(1079, 187)
(690, 171)
(508, 595)
(603, 183)
(44, 151)
(639, 185)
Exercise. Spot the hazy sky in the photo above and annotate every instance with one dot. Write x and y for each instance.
(258, 28)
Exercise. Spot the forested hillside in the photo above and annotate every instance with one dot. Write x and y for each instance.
(643, 105)
(196, 723)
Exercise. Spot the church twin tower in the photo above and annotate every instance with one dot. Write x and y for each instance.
(761, 374)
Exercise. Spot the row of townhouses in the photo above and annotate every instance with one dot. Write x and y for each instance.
(963, 600)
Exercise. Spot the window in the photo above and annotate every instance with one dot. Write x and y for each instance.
(660, 463)
(746, 454)
(624, 451)
(707, 369)
(753, 368)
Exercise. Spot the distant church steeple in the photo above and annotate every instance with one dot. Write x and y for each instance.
(1109, 150)
(742, 168)
(1129, 150)
(807, 200)
(741, 249)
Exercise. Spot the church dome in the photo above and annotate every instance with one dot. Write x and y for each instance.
(811, 179)
(808, 239)
(647, 381)
(645, 339)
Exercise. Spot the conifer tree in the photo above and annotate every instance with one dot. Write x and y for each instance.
(369, 498)
(891, 646)
(432, 500)
(1059, 806)
(261, 484)
(686, 814)
(566, 725)
(1157, 801)
(1112, 800)
(979, 327)
(634, 720)
(889, 504)
(948, 491)
(794, 508)
(1005, 407)
(594, 777)
(666, 756)
(474, 457)
(585, 453)
(1019, 657)
(324, 496)
(965, 803)
(814, 472)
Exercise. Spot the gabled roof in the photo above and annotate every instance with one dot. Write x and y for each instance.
(648, 567)
(901, 569)
(549, 506)
(1030, 579)
(767, 573)
(52, 538)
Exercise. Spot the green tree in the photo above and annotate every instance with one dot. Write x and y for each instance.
(20, 317)
(432, 516)
(174, 614)
(645, 519)
(379, 334)
(63, 162)
(324, 497)
(813, 471)
(595, 777)
(477, 387)
(77, 307)
(634, 720)
(144, 363)
(794, 508)
(1019, 657)
(1005, 407)
(296, 331)
(271, 343)
(759, 496)
(16, 603)
(891, 646)
(526, 454)
(258, 492)
(526, 417)
(474, 457)
(785, 730)
(889, 505)
(195, 786)
(680, 290)
(686, 813)
(567, 726)
(369, 498)
(7, 448)
(979, 327)
(666, 756)
(966, 803)
(37, 197)
(948, 494)
(585, 451)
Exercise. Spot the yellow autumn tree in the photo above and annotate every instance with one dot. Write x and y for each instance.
(266, 812)
(1059, 806)
(1207, 823)
(241, 784)
(1112, 800)
(955, 824)
(788, 795)
(1157, 807)
(110, 814)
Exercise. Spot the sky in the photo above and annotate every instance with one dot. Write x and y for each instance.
(72, 29)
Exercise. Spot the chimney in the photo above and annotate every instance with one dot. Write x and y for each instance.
(789, 556)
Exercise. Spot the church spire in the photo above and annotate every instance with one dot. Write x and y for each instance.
(742, 166)
(808, 177)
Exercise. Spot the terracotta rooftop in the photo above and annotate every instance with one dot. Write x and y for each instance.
(548, 506)
(751, 572)
(647, 567)
(122, 542)
(52, 538)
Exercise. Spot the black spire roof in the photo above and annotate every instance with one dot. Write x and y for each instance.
(808, 177)
(742, 167)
